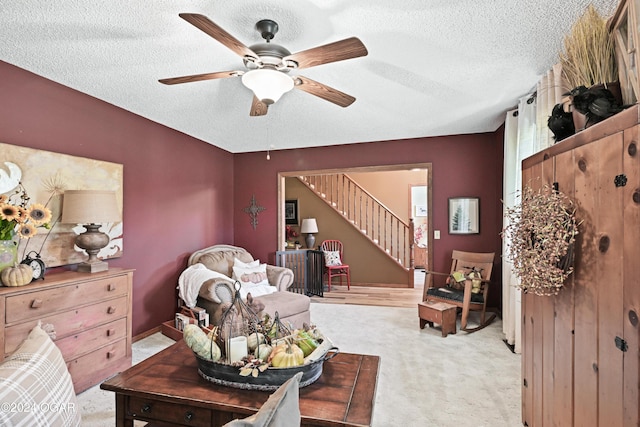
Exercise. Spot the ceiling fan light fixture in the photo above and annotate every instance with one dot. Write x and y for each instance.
(267, 85)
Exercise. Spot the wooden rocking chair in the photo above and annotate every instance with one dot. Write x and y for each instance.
(462, 287)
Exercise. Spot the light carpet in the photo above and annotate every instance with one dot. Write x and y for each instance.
(424, 380)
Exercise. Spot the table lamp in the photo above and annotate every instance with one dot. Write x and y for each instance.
(91, 208)
(309, 226)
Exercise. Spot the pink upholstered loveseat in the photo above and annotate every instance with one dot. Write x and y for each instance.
(292, 308)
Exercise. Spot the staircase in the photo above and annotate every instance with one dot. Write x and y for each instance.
(363, 211)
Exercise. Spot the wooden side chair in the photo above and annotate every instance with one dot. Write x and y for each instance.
(462, 287)
(333, 264)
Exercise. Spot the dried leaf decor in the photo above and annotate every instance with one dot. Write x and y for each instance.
(541, 232)
(588, 56)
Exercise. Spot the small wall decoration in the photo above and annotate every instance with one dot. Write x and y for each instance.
(253, 210)
(464, 215)
(45, 176)
(421, 210)
(291, 214)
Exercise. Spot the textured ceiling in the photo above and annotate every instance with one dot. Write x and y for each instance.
(439, 67)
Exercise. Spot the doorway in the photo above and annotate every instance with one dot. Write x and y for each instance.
(389, 187)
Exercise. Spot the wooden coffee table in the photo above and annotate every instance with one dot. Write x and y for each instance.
(166, 388)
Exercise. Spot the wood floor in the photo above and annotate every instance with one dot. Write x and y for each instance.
(381, 296)
(361, 295)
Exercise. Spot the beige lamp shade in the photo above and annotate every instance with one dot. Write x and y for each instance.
(309, 225)
(89, 207)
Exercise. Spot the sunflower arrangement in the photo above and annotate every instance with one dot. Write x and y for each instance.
(18, 216)
(542, 232)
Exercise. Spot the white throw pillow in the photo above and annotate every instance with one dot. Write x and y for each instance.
(253, 280)
(332, 258)
(251, 275)
(242, 264)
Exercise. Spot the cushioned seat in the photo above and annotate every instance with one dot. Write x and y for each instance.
(289, 305)
(292, 308)
(453, 294)
(466, 286)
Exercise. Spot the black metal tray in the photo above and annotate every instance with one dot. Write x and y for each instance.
(269, 380)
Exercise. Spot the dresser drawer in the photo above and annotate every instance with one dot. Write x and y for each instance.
(99, 360)
(35, 304)
(76, 345)
(69, 322)
(142, 409)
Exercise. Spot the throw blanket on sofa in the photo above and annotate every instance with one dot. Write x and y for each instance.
(192, 278)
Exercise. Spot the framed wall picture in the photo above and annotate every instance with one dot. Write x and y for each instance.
(291, 212)
(464, 215)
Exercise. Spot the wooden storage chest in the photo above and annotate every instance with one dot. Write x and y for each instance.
(581, 348)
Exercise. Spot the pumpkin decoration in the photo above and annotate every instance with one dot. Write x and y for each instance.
(476, 285)
(202, 344)
(18, 275)
(286, 356)
(254, 339)
(263, 351)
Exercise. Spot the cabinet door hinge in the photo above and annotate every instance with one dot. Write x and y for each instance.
(621, 344)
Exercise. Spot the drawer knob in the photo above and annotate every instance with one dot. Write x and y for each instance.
(111, 309)
(36, 303)
(146, 408)
(111, 354)
(111, 332)
(111, 287)
(188, 416)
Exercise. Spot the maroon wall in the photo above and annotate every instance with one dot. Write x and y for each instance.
(177, 191)
(463, 165)
(178, 196)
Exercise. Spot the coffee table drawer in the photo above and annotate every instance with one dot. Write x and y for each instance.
(147, 410)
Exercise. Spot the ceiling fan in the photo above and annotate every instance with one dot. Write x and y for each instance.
(267, 64)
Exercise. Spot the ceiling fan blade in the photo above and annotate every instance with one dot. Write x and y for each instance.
(199, 77)
(214, 30)
(323, 91)
(332, 52)
(258, 108)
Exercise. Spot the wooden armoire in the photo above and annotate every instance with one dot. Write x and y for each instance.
(580, 364)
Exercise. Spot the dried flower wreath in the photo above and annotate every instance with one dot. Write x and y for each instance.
(541, 232)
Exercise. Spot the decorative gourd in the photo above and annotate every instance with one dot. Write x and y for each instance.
(263, 351)
(476, 285)
(18, 275)
(306, 342)
(254, 339)
(287, 356)
(201, 344)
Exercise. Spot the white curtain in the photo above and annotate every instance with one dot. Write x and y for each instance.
(526, 133)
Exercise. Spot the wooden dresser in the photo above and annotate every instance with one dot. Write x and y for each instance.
(91, 314)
